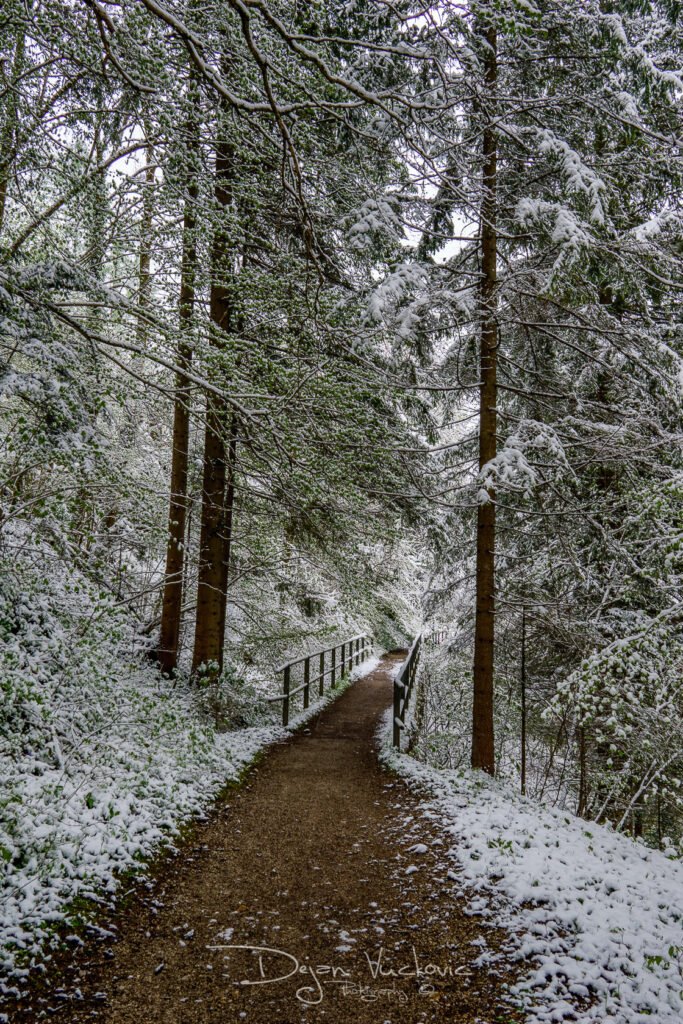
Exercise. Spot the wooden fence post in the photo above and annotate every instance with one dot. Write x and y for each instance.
(343, 657)
(285, 702)
(397, 714)
(307, 682)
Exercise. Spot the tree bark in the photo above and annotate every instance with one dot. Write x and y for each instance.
(523, 681)
(171, 610)
(228, 517)
(210, 621)
(216, 526)
(10, 123)
(145, 255)
(583, 775)
(483, 755)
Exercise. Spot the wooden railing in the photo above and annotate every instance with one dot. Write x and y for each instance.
(403, 688)
(436, 638)
(351, 653)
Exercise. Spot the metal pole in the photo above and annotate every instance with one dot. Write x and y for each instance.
(307, 682)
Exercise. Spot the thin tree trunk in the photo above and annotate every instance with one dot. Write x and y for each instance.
(482, 711)
(214, 542)
(97, 197)
(10, 123)
(228, 517)
(145, 257)
(659, 821)
(523, 737)
(583, 775)
(208, 637)
(171, 609)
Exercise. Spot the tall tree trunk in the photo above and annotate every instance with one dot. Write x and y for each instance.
(214, 540)
(10, 122)
(97, 198)
(145, 252)
(228, 517)
(171, 609)
(482, 713)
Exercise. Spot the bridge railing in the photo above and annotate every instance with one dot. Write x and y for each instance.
(404, 683)
(435, 638)
(314, 669)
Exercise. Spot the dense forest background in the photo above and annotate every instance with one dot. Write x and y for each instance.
(321, 318)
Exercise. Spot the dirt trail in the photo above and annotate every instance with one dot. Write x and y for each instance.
(309, 858)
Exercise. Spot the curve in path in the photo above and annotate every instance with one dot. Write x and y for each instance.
(313, 866)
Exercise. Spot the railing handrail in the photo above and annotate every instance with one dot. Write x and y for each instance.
(403, 688)
(401, 672)
(436, 637)
(321, 650)
(353, 650)
(316, 679)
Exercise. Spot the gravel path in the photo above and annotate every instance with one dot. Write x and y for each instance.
(313, 861)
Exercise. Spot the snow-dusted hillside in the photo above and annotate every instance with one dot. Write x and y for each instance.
(597, 918)
(101, 758)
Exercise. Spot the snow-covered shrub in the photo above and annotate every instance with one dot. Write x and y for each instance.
(441, 730)
(628, 700)
(439, 734)
(232, 701)
(101, 757)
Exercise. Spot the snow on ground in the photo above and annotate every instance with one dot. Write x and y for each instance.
(597, 918)
(71, 825)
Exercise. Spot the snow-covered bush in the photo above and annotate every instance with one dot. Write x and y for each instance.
(628, 700)
(101, 757)
(232, 701)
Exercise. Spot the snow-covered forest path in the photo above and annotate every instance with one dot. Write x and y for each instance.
(322, 857)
